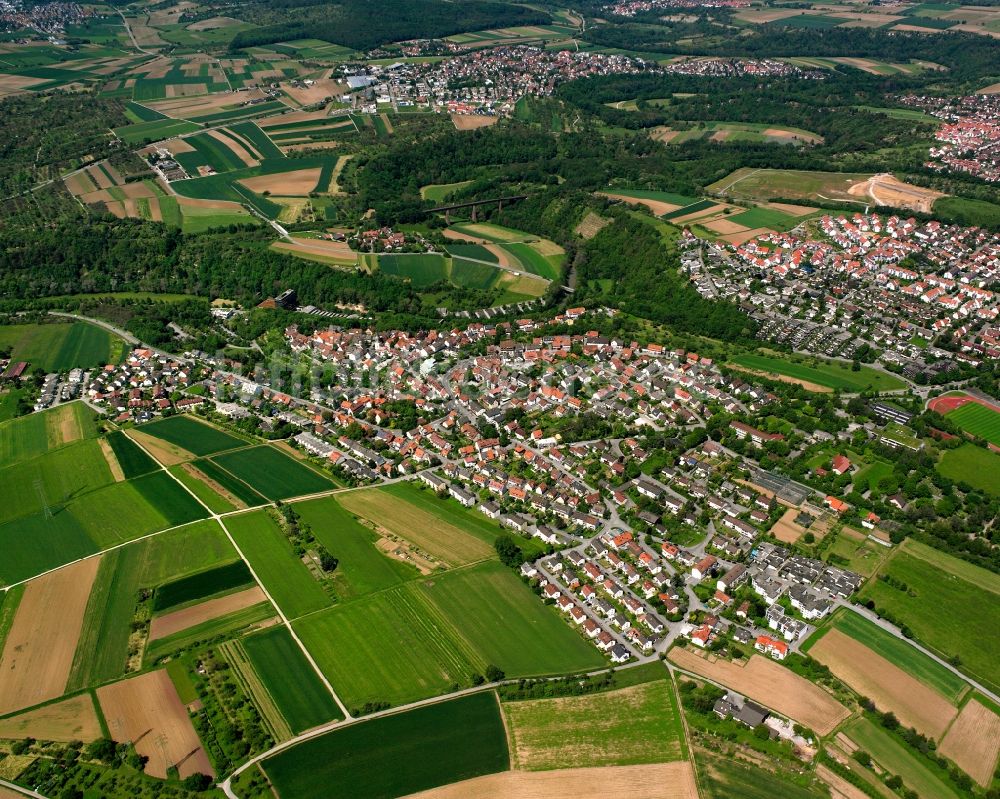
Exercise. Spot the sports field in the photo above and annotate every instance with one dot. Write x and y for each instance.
(272, 473)
(398, 754)
(940, 591)
(979, 420)
(824, 373)
(191, 435)
(103, 648)
(416, 640)
(284, 575)
(297, 691)
(639, 724)
(973, 465)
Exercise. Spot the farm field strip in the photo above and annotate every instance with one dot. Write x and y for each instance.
(73, 719)
(973, 741)
(179, 620)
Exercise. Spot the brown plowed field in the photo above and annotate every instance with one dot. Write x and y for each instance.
(70, 720)
(171, 623)
(772, 685)
(973, 742)
(39, 650)
(285, 184)
(233, 144)
(656, 206)
(659, 781)
(147, 711)
(887, 685)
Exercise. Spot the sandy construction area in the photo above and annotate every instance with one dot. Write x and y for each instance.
(171, 623)
(285, 184)
(473, 121)
(771, 685)
(657, 207)
(886, 190)
(70, 720)
(888, 686)
(39, 650)
(973, 742)
(658, 781)
(147, 711)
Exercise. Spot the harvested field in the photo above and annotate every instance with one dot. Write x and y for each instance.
(888, 686)
(973, 742)
(39, 649)
(285, 184)
(746, 235)
(660, 781)
(221, 205)
(993, 88)
(318, 92)
(163, 451)
(887, 190)
(113, 465)
(401, 519)
(839, 787)
(725, 226)
(293, 116)
(70, 720)
(792, 210)
(171, 623)
(473, 121)
(656, 206)
(338, 250)
(772, 685)
(147, 711)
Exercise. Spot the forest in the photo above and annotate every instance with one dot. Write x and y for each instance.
(364, 25)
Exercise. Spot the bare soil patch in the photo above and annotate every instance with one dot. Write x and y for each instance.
(658, 781)
(656, 206)
(456, 235)
(767, 14)
(79, 184)
(886, 190)
(171, 623)
(291, 184)
(223, 205)
(294, 116)
(772, 685)
(664, 134)
(406, 553)
(473, 121)
(39, 650)
(97, 175)
(177, 146)
(147, 711)
(973, 742)
(725, 226)
(785, 528)
(720, 135)
(993, 88)
(136, 190)
(890, 687)
(109, 456)
(70, 720)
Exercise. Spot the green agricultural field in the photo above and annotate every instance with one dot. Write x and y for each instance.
(363, 569)
(203, 585)
(860, 555)
(155, 130)
(659, 196)
(27, 437)
(935, 607)
(639, 724)
(272, 473)
(231, 625)
(301, 697)
(398, 754)
(260, 141)
(208, 151)
(764, 217)
(60, 346)
(911, 660)
(103, 646)
(974, 465)
(233, 485)
(284, 576)
(917, 774)
(196, 437)
(418, 639)
(209, 497)
(130, 456)
(726, 778)
(54, 479)
(979, 420)
(824, 373)
(198, 220)
(534, 261)
(475, 252)
(439, 192)
(966, 211)
(421, 270)
(475, 275)
(34, 544)
(507, 624)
